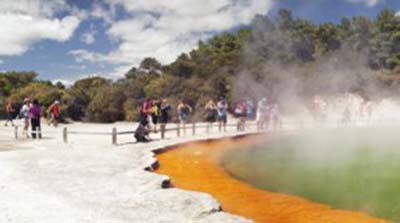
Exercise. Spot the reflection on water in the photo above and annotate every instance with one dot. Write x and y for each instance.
(347, 169)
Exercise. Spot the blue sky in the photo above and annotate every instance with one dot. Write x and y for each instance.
(68, 40)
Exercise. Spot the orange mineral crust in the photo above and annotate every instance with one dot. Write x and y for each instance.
(196, 166)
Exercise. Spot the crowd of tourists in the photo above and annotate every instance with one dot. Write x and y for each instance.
(352, 109)
(31, 113)
(155, 114)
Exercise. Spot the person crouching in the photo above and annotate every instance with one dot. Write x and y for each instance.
(142, 131)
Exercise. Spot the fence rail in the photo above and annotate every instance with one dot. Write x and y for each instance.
(114, 133)
(178, 128)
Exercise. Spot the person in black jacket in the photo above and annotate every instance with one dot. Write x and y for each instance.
(142, 131)
(164, 112)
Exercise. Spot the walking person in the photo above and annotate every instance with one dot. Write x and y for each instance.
(10, 113)
(34, 113)
(222, 107)
(184, 110)
(54, 113)
(211, 113)
(23, 113)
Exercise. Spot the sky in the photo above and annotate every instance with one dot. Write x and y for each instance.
(66, 40)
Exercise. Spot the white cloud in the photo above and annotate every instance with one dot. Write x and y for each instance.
(119, 71)
(88, 37)
(98, 11)
(369, 3)
(26, 22)
(1, 61)
(65, 82)
(82, 55)
(164, 29)
(398, 13)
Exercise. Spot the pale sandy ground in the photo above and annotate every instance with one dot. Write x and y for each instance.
(89, 180)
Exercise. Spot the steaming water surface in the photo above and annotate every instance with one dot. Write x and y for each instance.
(353, 169)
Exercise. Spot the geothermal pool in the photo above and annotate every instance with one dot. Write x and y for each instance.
(204, 166)
(348, 169)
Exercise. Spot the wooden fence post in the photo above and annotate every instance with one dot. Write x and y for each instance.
(162, 126)
(193, 128)
(16, 132)
(65, 135)
(178, 130)
(114, 136)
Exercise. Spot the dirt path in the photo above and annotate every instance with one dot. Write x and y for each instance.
(196, 167)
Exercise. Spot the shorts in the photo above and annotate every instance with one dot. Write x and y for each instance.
(54, 116)
(223, 118)
(210, 119)
(183, 117)
(154, 119)
(10, 116)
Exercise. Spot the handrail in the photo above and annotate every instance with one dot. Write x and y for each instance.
(190, 126)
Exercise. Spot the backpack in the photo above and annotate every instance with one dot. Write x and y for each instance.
(156, 110)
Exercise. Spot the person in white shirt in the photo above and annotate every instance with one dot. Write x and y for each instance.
(23, 113)
(262, 114)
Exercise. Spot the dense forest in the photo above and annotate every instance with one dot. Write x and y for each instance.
(281, 57)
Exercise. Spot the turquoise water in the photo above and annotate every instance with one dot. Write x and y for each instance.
(357, 169)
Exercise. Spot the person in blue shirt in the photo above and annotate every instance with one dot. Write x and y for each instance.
(222, 107)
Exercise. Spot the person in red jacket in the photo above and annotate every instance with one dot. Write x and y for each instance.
(54, 113)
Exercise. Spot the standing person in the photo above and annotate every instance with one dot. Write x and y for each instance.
(250, 109)
(23, 113)
(369, 108)
(211, 113)
(164, 112)
(54, 113)
(275, 116)
(222, 107)
(155, 115)
(146, 110)
(262, 114)
(241, 113)
(10, 113)
(184, 110)
(34, 114)
(346, 116)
